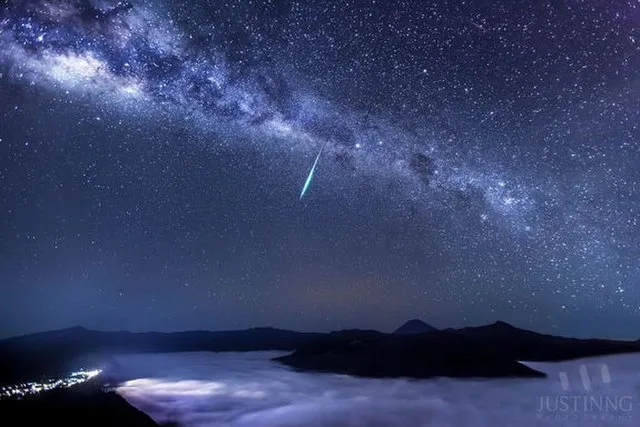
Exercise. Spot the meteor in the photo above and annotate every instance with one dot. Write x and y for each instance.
(310, 177)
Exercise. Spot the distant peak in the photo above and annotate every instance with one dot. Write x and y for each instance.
(264, 329)
(72, 330)
(76, 329)
(414, 326)
(501, 324)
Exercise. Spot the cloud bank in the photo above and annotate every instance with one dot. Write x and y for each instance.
(247, 389)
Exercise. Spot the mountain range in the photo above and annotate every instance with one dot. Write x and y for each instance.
(415, 349)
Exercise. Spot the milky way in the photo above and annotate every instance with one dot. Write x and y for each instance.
(128, 55)
(513, 136)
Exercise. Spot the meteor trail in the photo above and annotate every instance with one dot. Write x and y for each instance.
(310, 177)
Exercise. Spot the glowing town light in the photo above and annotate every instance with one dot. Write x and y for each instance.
(30, 388)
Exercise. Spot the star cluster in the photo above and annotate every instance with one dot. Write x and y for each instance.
(481, 161)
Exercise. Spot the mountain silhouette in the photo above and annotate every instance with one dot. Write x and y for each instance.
(414, 326)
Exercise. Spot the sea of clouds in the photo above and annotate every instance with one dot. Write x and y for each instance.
(248, 389)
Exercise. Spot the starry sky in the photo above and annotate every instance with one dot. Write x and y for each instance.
(480, 161)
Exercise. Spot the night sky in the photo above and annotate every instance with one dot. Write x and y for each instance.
(480, 161)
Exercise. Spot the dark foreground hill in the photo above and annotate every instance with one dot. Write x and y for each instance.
(431, 355)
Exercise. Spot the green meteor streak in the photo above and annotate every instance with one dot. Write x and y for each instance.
(310, 177)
